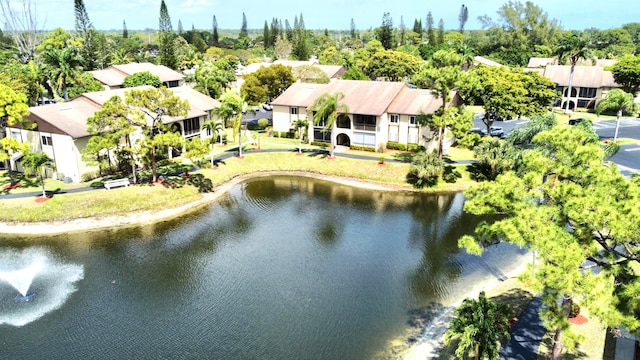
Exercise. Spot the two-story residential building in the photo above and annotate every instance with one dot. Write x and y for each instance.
(61, 129)
(590, 83)
(379, 112)
(113, 76)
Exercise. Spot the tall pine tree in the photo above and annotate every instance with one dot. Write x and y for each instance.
(215, 39)
(167, 44)
(85, 30)
(300, 48)
(431, 34)
(243, 28)
(463, 17)
(266, 36)
(352, 31)
(125, 32)
(385, 32)
(440, 32)
(275, 31)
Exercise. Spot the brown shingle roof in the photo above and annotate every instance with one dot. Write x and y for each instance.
(64, 118)
(583, 76)
(414, 102)
(70, 118)
(114, 75)
(539, 62)
(332, 71)
(362, 97)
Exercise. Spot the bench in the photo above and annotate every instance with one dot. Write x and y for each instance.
(115, 183)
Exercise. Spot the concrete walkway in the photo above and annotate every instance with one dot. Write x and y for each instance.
(226, 154)
(526, 335)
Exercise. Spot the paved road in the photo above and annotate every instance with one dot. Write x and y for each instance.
(628, 159)
(629, 128)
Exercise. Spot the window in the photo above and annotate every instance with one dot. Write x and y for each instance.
(395, 118)
(191, 126)
(587, 92)
(15, 134)
(46, 140)
(364, 139)
(413, 120)
(294, 111)
(365, 122)
(172, 84)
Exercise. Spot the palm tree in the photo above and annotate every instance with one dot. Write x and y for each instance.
(216, 128)
(619, 101)
(231, 107)
(494, 157)
(480, 325)
(325, 111)
(523, 135)
(300, 125)
(427, 168)
(63, 65)
(571, 49)
(37, 163)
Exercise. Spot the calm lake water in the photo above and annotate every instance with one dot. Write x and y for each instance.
(279, 268)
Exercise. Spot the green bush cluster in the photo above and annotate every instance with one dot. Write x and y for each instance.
(362, 148)
(321, 144)
(414, 148)
(284, 134)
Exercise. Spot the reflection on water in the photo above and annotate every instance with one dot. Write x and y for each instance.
(279, 268)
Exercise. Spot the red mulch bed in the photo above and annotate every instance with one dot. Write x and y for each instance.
(42, 199)
(10, 187)
(578, 320)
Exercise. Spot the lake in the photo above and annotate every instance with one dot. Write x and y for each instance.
(278, 268)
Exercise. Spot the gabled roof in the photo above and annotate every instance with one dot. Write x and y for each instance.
(539, 62)
(332, 71)
(294, 63)
(68, 118)
(583, 76)
(114, 75)
(364, 97)
(485, 61)
(415, 101)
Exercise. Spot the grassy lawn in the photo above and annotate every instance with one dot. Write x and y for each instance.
(591, 347)
(97, 203)
(30, 184)
(122, 201)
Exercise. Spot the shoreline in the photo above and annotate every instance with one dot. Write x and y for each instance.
(429, 348)
(147, 217)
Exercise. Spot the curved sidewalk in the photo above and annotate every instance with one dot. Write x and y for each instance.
(228, 154)
(526, 335)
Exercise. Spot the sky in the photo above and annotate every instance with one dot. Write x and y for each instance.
(330, 14)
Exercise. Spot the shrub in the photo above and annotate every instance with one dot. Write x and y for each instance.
(321, 144)
(362, 148)
(396, 146)
(263, 123)
(415, 148)
(88, 176)
(575, 310)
